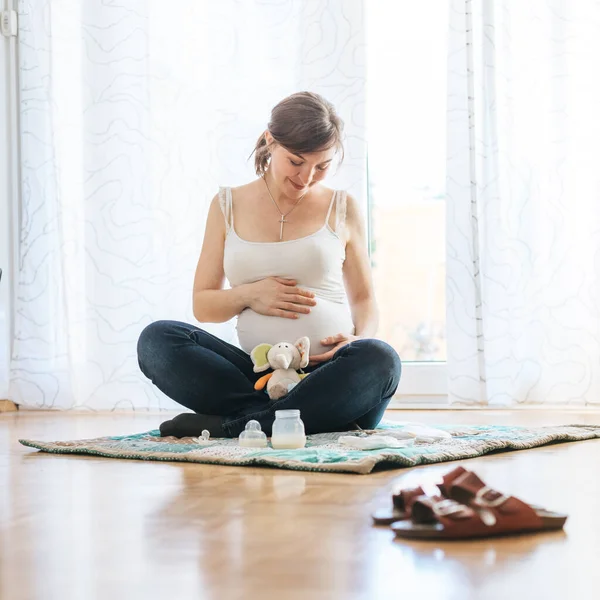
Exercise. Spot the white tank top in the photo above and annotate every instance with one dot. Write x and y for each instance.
(314, 261)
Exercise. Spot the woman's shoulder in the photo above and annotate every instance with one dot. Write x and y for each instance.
(328, 193)
(245, 190)
(342, 195)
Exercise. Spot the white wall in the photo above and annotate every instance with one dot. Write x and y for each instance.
(8, 187)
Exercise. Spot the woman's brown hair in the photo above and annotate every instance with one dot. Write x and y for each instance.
(301, 123)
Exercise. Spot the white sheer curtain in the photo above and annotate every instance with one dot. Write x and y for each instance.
(524, 202)
(132, 114)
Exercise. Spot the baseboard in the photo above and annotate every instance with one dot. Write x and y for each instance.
(7, 406)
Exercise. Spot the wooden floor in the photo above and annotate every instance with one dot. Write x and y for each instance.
(84, 528)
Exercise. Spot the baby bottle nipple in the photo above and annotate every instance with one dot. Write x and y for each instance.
(253, 437)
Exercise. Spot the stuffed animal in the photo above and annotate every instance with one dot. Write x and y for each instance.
(285, 359)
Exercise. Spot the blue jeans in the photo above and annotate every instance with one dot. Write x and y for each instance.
(210, 376)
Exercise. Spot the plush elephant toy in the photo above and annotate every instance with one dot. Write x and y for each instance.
(285, 359)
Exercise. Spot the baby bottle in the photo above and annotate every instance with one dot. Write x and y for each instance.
(288, 430)
(252, 436)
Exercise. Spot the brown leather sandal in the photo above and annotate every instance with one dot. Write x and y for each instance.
(402, 501)
(474, 510)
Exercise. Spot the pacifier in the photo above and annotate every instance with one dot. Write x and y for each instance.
(204, 437)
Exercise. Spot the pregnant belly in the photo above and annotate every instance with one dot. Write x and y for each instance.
(325, 319)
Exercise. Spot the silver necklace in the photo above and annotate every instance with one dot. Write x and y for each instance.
(282, 220)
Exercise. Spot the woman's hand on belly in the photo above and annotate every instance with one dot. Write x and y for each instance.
(337, 341)
(325, 319)
(278, 297)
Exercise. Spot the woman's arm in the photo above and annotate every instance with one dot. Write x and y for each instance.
(211, 303)
(358, 278)
(359, 286)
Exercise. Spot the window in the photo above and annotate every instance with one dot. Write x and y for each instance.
(406, 132)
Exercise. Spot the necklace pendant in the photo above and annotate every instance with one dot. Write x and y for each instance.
(281, 222)
(283, 216)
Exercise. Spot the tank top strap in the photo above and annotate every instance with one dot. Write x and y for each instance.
(226, 203)
(340, 212)
(333, 197)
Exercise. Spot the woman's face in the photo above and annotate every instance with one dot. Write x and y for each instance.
(295, 174)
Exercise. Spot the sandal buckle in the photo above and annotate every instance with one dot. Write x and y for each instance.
(482, 501)
(445, 508)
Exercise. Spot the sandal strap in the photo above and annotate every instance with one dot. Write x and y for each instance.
(493, 512)
(429, 509)
(449, 478)
(471, 490)
(404, 499)
(462, 521)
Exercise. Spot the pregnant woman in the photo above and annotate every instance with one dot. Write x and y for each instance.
(294, 253)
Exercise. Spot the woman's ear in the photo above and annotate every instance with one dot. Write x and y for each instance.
(303, 346)
(269, 138)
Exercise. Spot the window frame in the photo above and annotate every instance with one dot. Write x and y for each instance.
(9, 196)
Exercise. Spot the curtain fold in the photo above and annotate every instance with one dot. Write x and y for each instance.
(523, 228)
(131, 116)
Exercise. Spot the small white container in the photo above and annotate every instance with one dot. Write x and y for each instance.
(288, 430)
